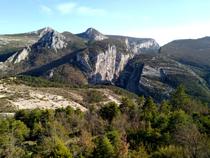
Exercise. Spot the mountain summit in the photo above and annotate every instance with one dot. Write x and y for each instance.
(92, 34)
(136, 64)
(52, 39)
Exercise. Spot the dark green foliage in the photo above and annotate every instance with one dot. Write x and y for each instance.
(150, 105)
(169, 152)
(123, 92)
(37, 82)
(94, 96)
(127, 105)
(104, 148)
(109, 111)
(165, 107)
(137, 128)
(180, 98)
(54, 147)
(12, 134)
(139, 153)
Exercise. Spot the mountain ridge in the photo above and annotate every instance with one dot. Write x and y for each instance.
(136, 64)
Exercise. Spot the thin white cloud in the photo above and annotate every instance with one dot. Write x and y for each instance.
(66, 8)
(164, 35)
(72, 7)
(46, 9)
(83, 10)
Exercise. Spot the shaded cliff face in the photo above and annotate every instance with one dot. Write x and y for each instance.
(14, 42)
(101, 61)
(157, 76)
(93, 58)
(49, 47)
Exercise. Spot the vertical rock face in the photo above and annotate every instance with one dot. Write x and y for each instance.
(157, 76)
(104, 66)
(108, 65)
(103, 61)
(131, 63)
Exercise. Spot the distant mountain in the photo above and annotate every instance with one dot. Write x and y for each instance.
(92, 34)
(136, 64)
(50, 46)
(138, 45)
(157, 76)
(195, 52)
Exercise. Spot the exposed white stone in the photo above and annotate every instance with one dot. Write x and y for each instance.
(29, 98)
(3, 66)
(44, 31)
(41, 32)
(138, 46)
(7, 115)
(109, 64)
(51, 74)
(150, 71)
(52, 39)
(19, 56)
(105, 64)
(95, 35)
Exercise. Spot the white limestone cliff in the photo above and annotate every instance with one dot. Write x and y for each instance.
(52, 39)
(19, 56)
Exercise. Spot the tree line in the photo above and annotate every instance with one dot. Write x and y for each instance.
(137, 128)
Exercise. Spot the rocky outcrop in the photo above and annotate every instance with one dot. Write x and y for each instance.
(108, 65)
(131, 63)
(103, 61)
(103, 67)
(157, 76)
(92, 34)
(52, 40)
(138, 46)
(19, 56)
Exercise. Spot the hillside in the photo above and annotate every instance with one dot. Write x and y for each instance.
(60, 97)
(193, 52)
(134, 127)
(35, 93)
(135, 64)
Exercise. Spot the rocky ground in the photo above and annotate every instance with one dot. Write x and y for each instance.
(19, 96)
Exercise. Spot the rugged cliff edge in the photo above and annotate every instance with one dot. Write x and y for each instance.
(91, 57)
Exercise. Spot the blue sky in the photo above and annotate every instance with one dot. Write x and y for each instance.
(162, 20)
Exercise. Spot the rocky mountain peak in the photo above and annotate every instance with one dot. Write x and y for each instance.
(92, 34)
(19, 56)
(43, 31)
(52, 39)
(91, 30)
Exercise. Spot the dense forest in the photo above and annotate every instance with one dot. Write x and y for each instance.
(138, 128)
